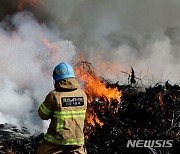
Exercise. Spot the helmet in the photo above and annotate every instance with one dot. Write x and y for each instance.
(63, 71)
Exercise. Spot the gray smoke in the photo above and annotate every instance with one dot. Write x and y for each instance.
(143, 34)
(112, 35)
(26, 66)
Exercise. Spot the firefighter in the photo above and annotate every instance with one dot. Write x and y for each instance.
(66, 107)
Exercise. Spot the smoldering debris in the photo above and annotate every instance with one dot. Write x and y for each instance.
(141, 116)
(17, 141)
(151, 114)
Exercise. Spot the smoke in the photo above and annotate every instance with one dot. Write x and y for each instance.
(143, 34)
(112, 35)
(27, 60)
(125, 33)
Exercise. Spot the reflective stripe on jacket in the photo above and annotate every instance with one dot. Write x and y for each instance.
(67, 110)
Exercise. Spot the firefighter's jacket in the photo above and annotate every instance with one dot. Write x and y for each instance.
(66, 107)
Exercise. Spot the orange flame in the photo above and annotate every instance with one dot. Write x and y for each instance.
(23, 3)
(129, 131)
(30, 3)
(95, 88)
(93, 118)
(161, 101)
(53, 49)
(49, 45)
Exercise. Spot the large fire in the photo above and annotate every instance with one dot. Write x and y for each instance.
(94, 87)
(95, 90)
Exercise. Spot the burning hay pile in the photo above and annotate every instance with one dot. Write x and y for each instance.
(139, 114)
(153, 114)
(116, 114)
(33, 37)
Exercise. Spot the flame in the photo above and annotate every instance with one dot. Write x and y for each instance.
(93, 118)
(30, 3)
(51, 52)
(23, 3)
(129, 131)
(53, 49)
(161, 101)
(95, 89)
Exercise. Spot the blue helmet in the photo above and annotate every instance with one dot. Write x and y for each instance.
(63, 71)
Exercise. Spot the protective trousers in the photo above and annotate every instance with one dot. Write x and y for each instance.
(46, 148)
